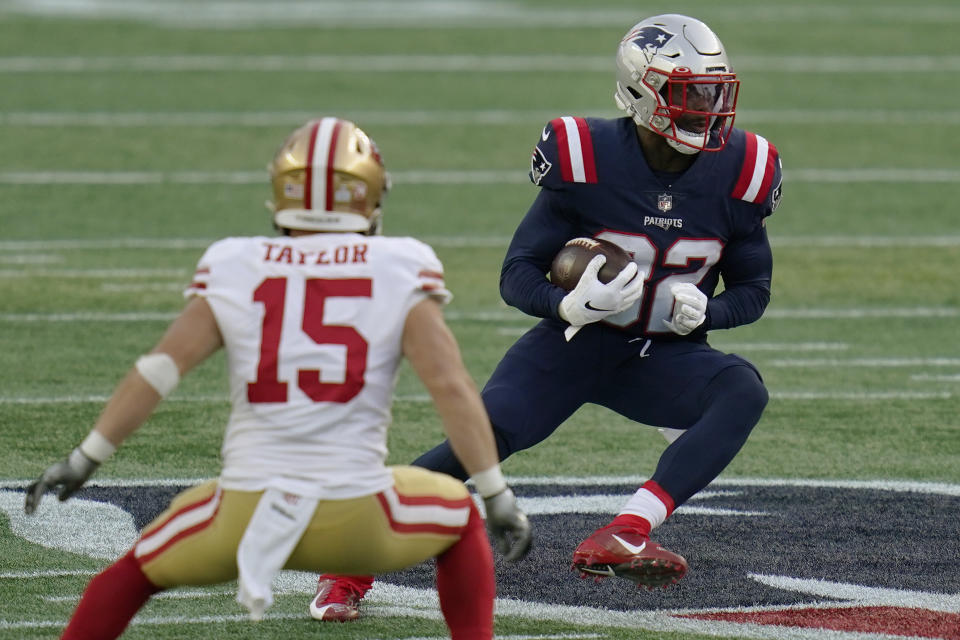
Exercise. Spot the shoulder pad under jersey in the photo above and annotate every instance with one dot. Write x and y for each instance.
(420, 260)
(564, 153)
(760, 177)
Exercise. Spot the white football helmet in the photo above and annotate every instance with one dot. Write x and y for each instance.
(673, 77)
(328, 176)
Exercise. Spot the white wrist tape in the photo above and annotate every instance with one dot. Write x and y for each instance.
(489, 482)
(96, 447)
(160, 371)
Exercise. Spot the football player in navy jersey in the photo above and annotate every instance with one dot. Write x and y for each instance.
(686, 194)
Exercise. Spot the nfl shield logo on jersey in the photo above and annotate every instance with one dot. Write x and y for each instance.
(665, 202)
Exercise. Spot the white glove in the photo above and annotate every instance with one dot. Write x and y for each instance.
(592, 300)
(508, 525)
(689, 308)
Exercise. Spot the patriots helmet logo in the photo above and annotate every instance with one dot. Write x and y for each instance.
(649, 39)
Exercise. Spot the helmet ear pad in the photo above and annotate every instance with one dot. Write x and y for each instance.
(666, 66)
(328, 175)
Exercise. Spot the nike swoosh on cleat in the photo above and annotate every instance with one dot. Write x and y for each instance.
(545, 133)
(607, 571)
(632, 548)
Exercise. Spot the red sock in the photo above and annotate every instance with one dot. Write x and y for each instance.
(110, 601)
(633, 522)
(466, 583)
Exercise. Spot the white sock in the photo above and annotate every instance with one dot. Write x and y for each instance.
(646, 505)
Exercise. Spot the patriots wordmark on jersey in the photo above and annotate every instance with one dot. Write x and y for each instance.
(695, 227)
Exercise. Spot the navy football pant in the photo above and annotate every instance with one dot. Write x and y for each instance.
(542, 380)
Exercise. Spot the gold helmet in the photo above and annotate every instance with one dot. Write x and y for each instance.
(328, 176)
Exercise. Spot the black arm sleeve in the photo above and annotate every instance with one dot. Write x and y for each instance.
(746, 271)
(542, 232)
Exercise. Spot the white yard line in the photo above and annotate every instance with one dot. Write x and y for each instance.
(44, 247)
(443, 176)
(834, 394)
(929, 377)
(870, 363)
(95, 273)
(431, 14)
(420, 117)
(453, 63)
(505, 315)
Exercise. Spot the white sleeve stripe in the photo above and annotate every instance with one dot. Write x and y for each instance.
(576, 151)
(759, 170)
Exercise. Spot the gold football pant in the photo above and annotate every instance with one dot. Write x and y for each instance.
(194, 542)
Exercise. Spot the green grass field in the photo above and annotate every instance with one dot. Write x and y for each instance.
(133, 134)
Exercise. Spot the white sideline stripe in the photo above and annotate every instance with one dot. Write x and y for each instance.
(439, 177)
(467, 241)
(456, 63)
(419, 117)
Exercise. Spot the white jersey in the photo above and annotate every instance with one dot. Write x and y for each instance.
(312, 327)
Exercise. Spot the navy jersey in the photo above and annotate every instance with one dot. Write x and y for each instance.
(699, 226)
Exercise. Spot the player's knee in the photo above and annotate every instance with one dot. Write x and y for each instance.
(745, 385)
(504, 447)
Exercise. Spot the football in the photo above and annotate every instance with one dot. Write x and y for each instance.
(569, 263)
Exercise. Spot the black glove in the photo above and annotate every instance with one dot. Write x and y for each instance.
(508, 525)
(69, 475)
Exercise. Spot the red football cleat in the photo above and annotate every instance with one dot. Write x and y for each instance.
(338, 598)
(616, 550)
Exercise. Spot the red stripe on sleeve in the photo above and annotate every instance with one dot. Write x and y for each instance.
(746, 173)
(331, 154)
(768, 172)
(586, 148)
(563, 149)
(308, 173)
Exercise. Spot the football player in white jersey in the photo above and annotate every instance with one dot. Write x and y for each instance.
(315, 323)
